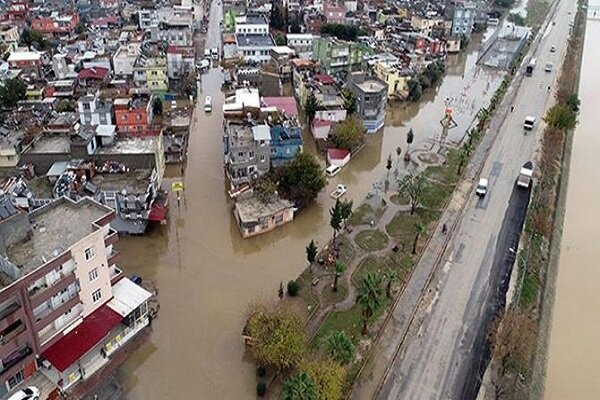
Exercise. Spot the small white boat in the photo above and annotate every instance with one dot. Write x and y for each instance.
(339, 191)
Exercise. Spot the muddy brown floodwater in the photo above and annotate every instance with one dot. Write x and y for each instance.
(574, 354)
(206, 274)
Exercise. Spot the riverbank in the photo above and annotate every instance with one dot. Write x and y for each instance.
(538, 265)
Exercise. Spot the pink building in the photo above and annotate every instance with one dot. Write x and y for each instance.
(334, 13)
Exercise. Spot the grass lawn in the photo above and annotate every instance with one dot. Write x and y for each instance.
(371, 264)
(536, 12)
(403, 224)
(305, 293)
(371, 240)
(346, 248)
(399, 200)
(362, 215)
(331, 297)
(436, 195)
(446, 173)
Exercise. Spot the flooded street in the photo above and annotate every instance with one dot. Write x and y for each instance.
(206, 274)
(573, 354)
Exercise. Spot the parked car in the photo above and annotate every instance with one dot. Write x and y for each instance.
(339, 191)
(529, 123)
(332, 170)
(136, 279)
(482, 187)
(208, 104)
(28, 393)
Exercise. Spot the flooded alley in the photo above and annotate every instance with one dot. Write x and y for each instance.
(206, 274)
(573, 354)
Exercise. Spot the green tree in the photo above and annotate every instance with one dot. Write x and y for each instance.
(561, 117)
(65, 106)
(349, 100)
(31, 37)
(335, 220)
(517, 19)
(339, 347)
(302, 179)
(415, 89)
(280, 40)
(276, 20)
(349, 133)
(157, 106)
(265, 189)
(329, 377)
(311, 106)
(464, 155)
(311, 254)
(391, 276)
(413, 186)
(12, 91)
(278, 337)
(573, 102)
(339, 269)
(300, 387)
(369, 297)
(346, 210)
(420, 229)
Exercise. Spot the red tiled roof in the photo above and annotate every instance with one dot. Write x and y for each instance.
(84, 337)
(324, 79)
(286, 105)
(337, 154)
(93, 73)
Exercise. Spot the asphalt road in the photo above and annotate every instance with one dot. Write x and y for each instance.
(443, 353)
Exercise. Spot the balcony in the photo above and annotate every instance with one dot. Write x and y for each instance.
(115, 274)
(9, 309)
(46, 292)
(48, 312)
(50, 331)
(114, 258)
(14, 358)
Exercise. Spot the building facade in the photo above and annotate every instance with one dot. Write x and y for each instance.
(371, 98)
(462, 21)
(247, 152)
(286, 142)
(133, 115)
(95, 111)
(337, 55)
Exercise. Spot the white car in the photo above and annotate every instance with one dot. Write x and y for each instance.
(553, 49)
(482, 187)
(332, 170)
(28, 393)
(339, 191)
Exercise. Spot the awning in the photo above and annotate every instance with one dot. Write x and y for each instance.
(127, 296)
(83, 338)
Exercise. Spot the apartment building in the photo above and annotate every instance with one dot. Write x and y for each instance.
(180, 61)
(371, 97)
(133, 115)
(247, 152)
(251, 24)
(337, 55)
(56, 24)
(62, 294)
(95, 111)
(151, 73)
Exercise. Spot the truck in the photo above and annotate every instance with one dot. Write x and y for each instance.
(525, 175)
(530, 67)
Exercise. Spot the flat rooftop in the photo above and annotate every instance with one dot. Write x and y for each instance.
(133, 182)
(131, 145)
(371, 86)
(254, 40)
(50, 143)
(55, 228)
(252, 209)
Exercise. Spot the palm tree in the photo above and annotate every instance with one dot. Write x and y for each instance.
(311, 254)
(391, 276)
(340, 267)
(369, 297)
(300, 387)
(413, 186)
(398, 152)
(336, 218)
(410, 136)
(465, 153)
(311, 106)
(339, 347)
(420, 230)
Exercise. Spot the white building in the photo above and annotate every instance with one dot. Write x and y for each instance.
(125, 58)
(252, 24)
(255, 47)
(302, 43)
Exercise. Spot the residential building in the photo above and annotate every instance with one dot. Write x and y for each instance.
(246, 100)
(302, 43)
(286, 142)
(254, 47)
(9, 36)
(180, 61)
(371, 97)
(336, 55)
(252, 24)
(125, 58)
(133, 115)
(94, 110)
(151, 73)
(18, 11)
(173, 35)
(426, 25)
(334, 13)
(56, 24)
(93, 77)
(62, 297)
(463, 21)
(9, 156)
(26, 60)
(181, 16)
(255, 216)
(394, 76)
(247, 152)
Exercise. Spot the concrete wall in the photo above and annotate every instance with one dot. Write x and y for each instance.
(43, 161)
(13, 230)
(100, 262)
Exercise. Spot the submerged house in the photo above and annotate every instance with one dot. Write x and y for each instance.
(255, 215)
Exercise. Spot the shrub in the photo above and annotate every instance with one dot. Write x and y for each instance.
(261, 371)
(293, 288)
(261, 389)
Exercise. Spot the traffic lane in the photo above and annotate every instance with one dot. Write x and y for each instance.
(494, 300)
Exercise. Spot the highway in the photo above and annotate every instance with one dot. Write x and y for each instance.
(441, 356)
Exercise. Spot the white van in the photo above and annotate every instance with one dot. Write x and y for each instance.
(529, 123)
(332, 170)
(208, 104)
(482, 187)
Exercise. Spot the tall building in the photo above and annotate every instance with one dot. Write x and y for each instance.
(336, 55)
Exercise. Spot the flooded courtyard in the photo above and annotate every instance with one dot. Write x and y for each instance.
(206, 274)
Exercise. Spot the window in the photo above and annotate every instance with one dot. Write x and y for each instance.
(96, 295)
(123, 117)
(262, 158)
(250, 154)
(93, 274)
(90, 253)
(240, 154)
